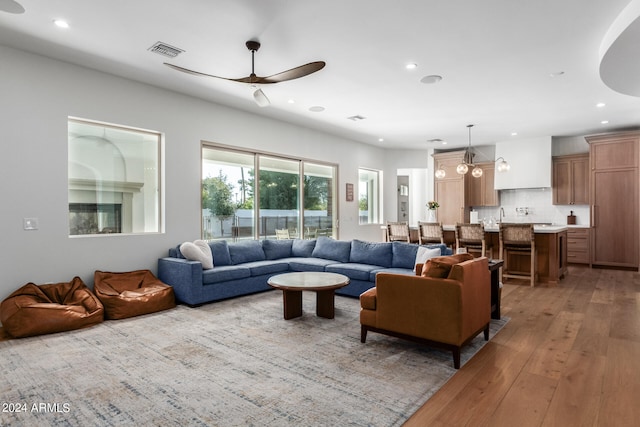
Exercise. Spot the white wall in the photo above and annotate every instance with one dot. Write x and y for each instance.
(38, 94)
(406, 161)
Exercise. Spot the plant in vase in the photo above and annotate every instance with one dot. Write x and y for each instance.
(431, 212)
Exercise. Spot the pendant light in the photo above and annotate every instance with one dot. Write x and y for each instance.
(467, 161)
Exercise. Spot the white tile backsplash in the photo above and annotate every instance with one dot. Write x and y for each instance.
(537, 202)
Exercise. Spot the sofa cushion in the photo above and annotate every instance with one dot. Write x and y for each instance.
(225, 273)
(277, 249)
(424, 254)
(198, 250)
(404, 254)
(336, 250)
(259, 268)
(220, 252)
(352, 270)
(302, 248)
(175, 253)
(246, 251)
(308, 264)
(441, 266)
(371, 253)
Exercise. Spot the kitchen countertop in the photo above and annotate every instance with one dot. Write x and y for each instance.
(537, 228)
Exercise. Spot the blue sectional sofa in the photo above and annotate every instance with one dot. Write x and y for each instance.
(243, 267)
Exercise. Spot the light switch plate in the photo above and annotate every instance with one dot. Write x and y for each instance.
(30, 223)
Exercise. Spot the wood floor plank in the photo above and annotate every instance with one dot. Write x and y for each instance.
(549, 359)
(593, 337)
(529, 397)
(577, 397)
(621, 384)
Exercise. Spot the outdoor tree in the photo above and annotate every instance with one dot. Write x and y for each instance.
(217, 196)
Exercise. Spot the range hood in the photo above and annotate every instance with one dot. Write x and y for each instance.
(530, 161)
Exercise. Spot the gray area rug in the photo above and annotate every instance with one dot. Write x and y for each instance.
(231, 363)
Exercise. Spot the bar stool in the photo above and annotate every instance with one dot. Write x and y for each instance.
(471, 237)
(398, 231)
(518, 240)
(430, 232)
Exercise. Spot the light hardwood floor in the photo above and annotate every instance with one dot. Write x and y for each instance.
(570, 356)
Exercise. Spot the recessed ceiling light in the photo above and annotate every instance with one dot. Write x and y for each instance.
(291, 101)
(600, 104)
(61, 23)
(604, 122)
(316, 109)
(514, 133)
(380, 139)
(411, 66)
(430, 79)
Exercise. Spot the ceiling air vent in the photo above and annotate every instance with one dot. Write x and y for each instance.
(165, 50)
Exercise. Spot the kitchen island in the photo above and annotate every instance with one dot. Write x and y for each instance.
(551, 248)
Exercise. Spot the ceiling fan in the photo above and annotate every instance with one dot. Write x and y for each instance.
(254, 80)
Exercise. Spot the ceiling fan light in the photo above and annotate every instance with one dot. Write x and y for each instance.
(261, 99)
(476, 172)
(440, 173)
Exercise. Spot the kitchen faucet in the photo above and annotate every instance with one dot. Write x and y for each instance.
(501, 214)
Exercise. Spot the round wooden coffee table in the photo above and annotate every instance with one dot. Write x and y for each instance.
(324, 285)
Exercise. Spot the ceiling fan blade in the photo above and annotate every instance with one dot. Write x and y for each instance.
(195, 73)
(294, 73)
(11, 6)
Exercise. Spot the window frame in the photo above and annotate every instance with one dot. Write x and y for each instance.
(75, 184)
(374, 196)
(258, 155)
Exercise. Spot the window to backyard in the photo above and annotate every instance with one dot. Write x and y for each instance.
(255, 195)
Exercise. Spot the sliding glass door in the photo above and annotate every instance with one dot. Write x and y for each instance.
(227, 194)
(248, 195)
(278, 196)
(319, 202)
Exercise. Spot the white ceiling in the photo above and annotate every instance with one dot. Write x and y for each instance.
(497, 58)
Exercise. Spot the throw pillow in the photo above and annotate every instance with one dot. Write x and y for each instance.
(199, 250)
(424, 254)
(440, 267)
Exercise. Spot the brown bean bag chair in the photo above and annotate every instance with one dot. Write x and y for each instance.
(45, 309)
(132, 293)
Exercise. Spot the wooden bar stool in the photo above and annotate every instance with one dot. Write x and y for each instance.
(398, 231)
(518, 240)
(471, 237)
(430, 232)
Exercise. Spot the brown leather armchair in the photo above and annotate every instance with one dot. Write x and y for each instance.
(45, 309)
(446, 311)
(132, 293)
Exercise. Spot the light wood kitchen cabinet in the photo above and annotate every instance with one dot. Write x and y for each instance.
(571, 180)
(449, 191)
(578, 246)
(480, 191)
(614, 199)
